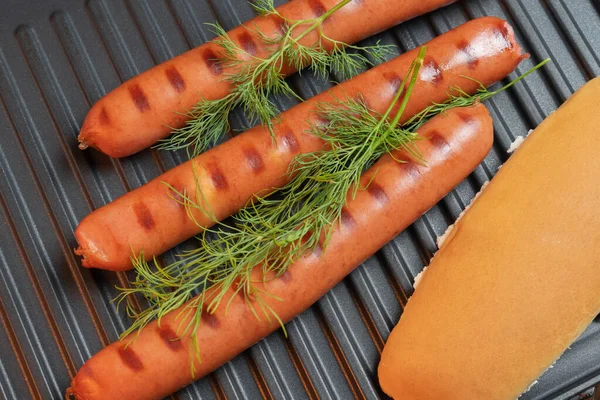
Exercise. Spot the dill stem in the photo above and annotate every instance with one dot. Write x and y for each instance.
(316, 24)
(401, 90)
(322, 18)
(523, 76)
(413, 80)
(334, 9)
(413, 73)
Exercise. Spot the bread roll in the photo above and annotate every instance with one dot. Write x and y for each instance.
(518, 278)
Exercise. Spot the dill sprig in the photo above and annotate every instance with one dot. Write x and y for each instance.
(275, 231)
(254, 79)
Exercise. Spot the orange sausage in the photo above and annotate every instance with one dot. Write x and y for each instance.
(230, 174)
(155, 365)
(137, 114)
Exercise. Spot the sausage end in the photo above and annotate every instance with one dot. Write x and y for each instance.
(83, 386)
(95, 255)
(70, 394)
(87, 132)
(80, 251)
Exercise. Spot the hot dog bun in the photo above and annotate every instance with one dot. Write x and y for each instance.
(517, 280)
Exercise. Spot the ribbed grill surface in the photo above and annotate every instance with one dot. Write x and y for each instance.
(57, 57)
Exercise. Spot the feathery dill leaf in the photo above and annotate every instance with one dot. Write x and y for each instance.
(255, 79)
(263, 7)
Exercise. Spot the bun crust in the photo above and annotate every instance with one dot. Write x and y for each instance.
(517, 280)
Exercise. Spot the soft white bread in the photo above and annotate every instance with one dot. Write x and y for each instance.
(518, 278)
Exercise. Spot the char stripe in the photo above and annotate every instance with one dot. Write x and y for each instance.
(247, 43)
(377, 192)
(139, 98)
(254, 160)
(144, 216)
(317, 7)
(217, 177)
(175, 79)
(468, 52)
(104, 118)
(213, 62)
(170, 337)
(290, 141)
(130, 358)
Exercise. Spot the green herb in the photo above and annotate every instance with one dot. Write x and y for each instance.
(255, 78)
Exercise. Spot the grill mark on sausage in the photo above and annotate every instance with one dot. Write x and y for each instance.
(139, 98)
(377, 192)
(503, 33)
(213, 62)
(464, 47)
(216, 176)
(347, 218)
(317, 7)
(319, 120)
(361, 99)
(86, 371)
(144, 216)
(130, 359)
(242, 295)
(178, 196)
(241, 291)
(175, 79)
(104, 118)
(466, 118)
(431, 71)
(395, 82)
(170, 337)
(247, 43)
(394, 79)
(290, 141)
(410, 168)
(280, 24)
(439, 142)
(286, 277)
(254, 159)
(318, 250)
(210, 320)
(176, 193)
